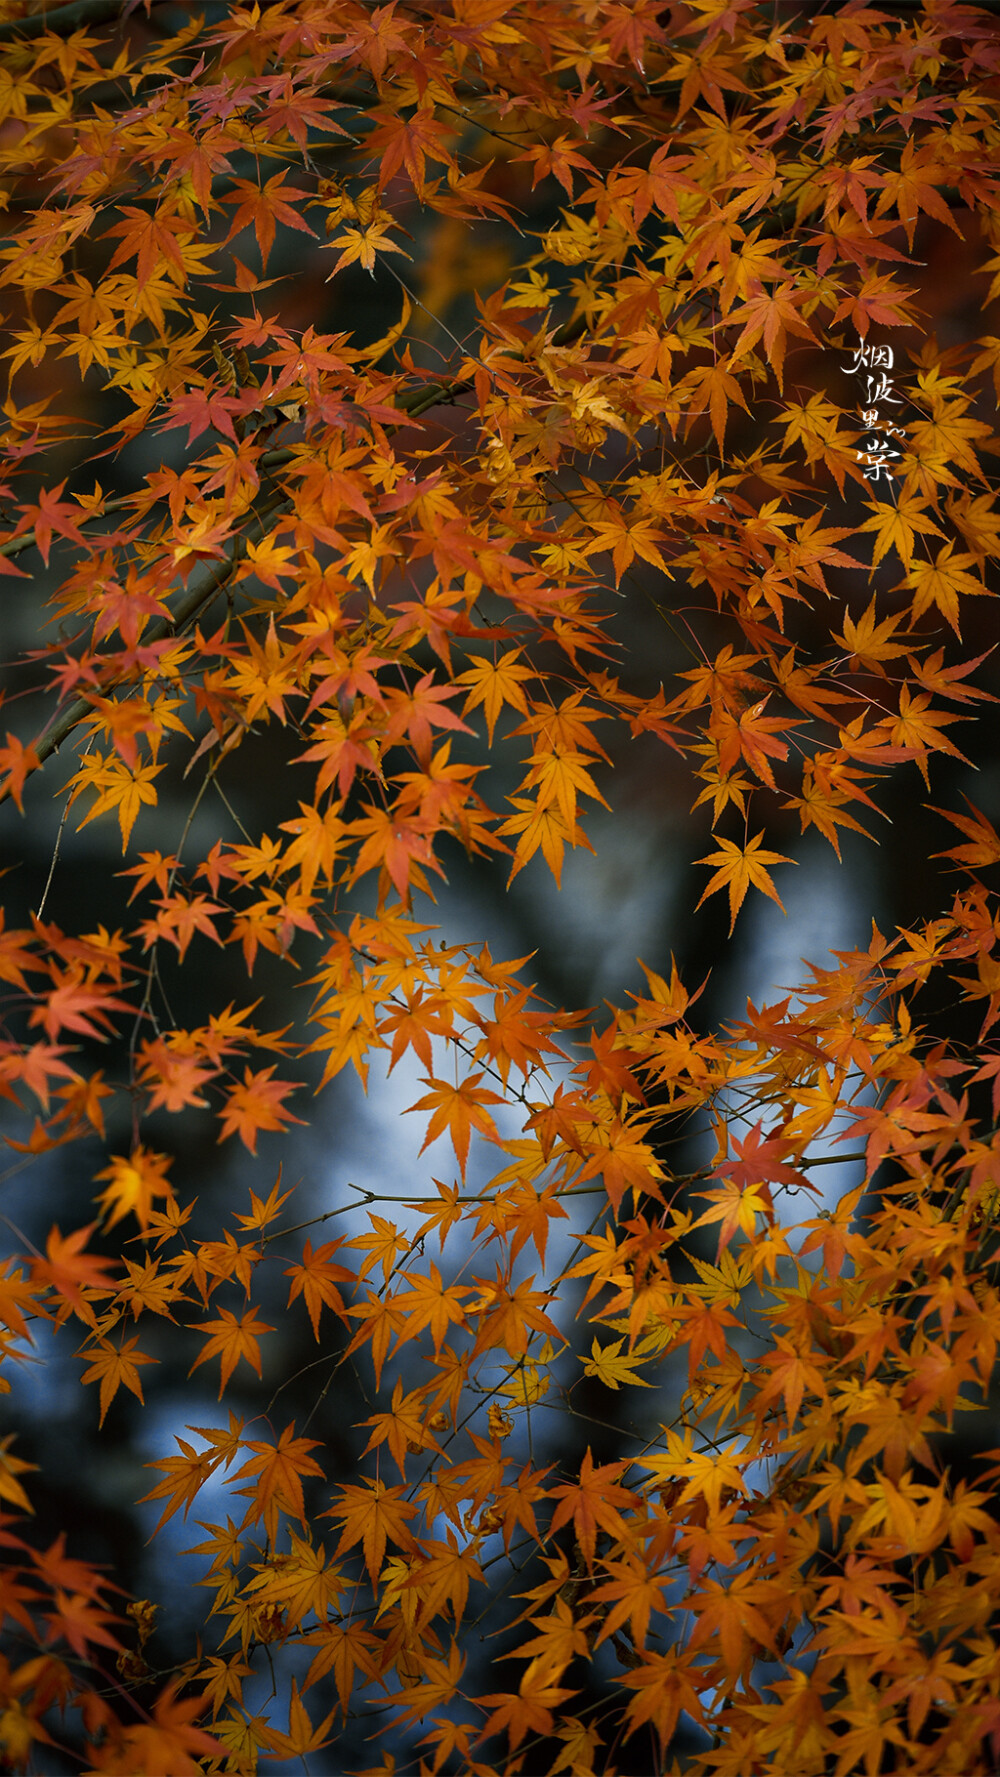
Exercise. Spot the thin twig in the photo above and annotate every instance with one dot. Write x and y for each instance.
(55, 856)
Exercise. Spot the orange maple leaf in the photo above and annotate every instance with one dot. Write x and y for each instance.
(168, 1745)
(529, 1710)
(114, 1365)
(257, 1104)
(593, 1504)
(231, 1339)
(76, 1275)
(458, 1109)
(372, 1514)
(315, 1279)
(279, 1467)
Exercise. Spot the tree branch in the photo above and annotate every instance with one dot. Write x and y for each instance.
(63, 20)
(200, 593)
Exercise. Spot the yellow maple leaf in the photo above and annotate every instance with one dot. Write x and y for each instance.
(607, 1364)
(135, 1179)
(494, 683)
(738, 869)
(895, 526)
(115, 786)
(869, 643)
(940, 582)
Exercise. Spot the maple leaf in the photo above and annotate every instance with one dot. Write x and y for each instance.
(494, 684)
(985, 847)
(279, 1468)
(638, 1593)
(832, 1232)
(116, 786)
(759, 1161)
(791, 1376)
(415, 713)
(913, 188)
(624, 1159)
(403, 1428)
(382, 1244)
(542, 825)
(770, 314)
(529, 1710)
(917, 729)
(75, 1274)
(257, 1105)
(561, 1637)
(372, 1514)
(739, 869)
(733, 1614)
(412, 1026)
(437, 1685)
(265, 206)
(186, 1474)
(610, 1368)
(870, 643)
(178, 920)
(717, 383)
(53, 515)
(443, 1579)
(171, 1078)
(397, 845)
(10, 1467)
(344, 1648)
(533, 1213)
(556, 160)
(896, 526)
(316, 1279)
(626, 536)
(940, 583)
(79, 1003)
(664, 1686)
(169, 1743)
(362, 245)
(114, 1365)
(17, 760)
(934, 676)
(507, 1313)
(16, 1294)
(77, 1620)
(753, 737)
(265, 1210)
(136, 1180)
(232, 1339)
(592, 1503)
(459, 1109)
(202, 409)
(302, 1737)
(704, 1472)
(429, 1304)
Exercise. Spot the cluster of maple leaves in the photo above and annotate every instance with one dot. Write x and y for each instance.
(425, 621)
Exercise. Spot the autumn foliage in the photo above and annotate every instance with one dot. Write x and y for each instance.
(651, 1461)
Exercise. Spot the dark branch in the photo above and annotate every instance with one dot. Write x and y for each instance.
(63, 20)
(201, 592)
